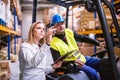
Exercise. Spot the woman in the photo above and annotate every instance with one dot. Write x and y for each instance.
(32, 56)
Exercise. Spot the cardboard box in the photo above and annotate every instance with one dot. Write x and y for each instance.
(88, 51)
(5, 76)
(5, 70)
(5, 65)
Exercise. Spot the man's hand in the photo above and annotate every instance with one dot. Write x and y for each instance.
(57, 65)
(79, 63)
(102, 44)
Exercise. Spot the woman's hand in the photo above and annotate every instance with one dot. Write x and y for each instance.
(50, 31)
(49, 34)
(57, 65)
(79, 63)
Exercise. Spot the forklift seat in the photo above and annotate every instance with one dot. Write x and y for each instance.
(70, 76)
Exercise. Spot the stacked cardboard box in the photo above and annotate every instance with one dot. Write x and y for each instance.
(89, 49)
(5, 72)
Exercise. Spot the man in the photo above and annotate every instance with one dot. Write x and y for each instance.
(63, 41)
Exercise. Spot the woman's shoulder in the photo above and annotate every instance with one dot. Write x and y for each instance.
(25, 44)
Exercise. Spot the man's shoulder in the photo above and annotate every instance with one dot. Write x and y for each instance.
(69, 31)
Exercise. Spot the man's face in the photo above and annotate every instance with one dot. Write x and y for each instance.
(60, 27)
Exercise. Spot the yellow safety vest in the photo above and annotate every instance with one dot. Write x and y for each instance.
(63, 48)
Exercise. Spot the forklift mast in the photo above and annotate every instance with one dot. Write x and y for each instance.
(115, 22)
(108, 40)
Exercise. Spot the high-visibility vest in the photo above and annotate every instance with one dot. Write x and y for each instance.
(63, 48)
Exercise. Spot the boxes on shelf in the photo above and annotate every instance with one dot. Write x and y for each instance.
(5, 72)
(4, 55)
(2, 22)
(88, 51)
(5, 14)
(117, 51)
(10, 20)
(9, 17)
(5, 65)
(2, 13)
(2, 10)
(18, 43)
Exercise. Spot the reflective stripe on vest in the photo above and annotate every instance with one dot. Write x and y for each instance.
(62, 47)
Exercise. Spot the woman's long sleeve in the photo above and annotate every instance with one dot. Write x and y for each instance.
(31, 55)
(32, 58)
(49, 59)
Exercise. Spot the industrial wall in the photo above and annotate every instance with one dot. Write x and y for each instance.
(27, 21)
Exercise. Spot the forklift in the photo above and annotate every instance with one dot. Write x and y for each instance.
(109, 69)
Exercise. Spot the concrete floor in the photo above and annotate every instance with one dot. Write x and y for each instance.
(15, 70)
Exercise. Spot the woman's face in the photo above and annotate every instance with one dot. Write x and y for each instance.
(39, 31)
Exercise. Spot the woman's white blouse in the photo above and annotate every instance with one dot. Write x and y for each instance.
(33, 61)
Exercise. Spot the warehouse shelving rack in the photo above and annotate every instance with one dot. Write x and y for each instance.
(4, 29)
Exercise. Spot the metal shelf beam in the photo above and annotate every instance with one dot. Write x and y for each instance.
(94, 32)
(9, 31)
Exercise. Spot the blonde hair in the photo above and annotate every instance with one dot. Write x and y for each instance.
(30, 35)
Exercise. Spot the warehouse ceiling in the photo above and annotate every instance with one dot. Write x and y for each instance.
(41, 4)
